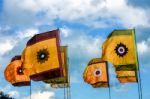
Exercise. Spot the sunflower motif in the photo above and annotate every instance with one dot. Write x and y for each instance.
(19, 71)
(42, 56)
(121, 50)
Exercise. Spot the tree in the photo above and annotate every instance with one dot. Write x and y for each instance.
(4, 96)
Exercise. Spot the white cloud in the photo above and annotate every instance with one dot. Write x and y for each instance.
(42, 95)
(65, 31)
(99, 13)
(82, 45)
(5, 88)
(86, 44)
(8, 42)
(27, 33)
(127, 15)
(6, 45)
(143, 47)
(13, 94)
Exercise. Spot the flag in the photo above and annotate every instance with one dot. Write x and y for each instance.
(120, 49)
(65, 85)
(42, 56)
(96, 73)
(60, 81)
(126, 75)
(14, 73)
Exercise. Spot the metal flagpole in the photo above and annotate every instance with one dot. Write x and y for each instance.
(138, 69)
(69, 94)
(64, 92)
(30, 89)
(108, 77)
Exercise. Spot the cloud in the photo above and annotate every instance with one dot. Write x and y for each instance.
(143, 47)
(8, 40)
(27, 33)
(65, 32)
(13, 94)
(143, 51)
(6, 45)
(126, 14)
(82, 48)
(41, 95)
(5, 88)
(86, 44)
(98, 14)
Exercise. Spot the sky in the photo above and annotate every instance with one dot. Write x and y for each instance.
(84, 26)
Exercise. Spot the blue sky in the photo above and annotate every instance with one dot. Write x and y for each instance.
(84, 26)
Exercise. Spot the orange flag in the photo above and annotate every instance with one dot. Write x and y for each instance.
(14, 73)
(96, 73)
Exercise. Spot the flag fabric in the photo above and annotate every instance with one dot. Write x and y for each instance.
(65, 85)
(120, 49)
(42, 57)
(126, 75)
(14, 73)
(61, 81)
(127, 79)
(96, 73)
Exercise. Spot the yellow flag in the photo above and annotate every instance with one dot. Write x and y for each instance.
(120, 48)
(42, 56)
(53, 85)
(61, 80)
(127, 79)
(96, 73)
(127, 76)
(126, 73)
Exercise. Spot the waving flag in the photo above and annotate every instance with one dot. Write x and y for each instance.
(65, 85)
(126, 73)
(61, 81)
(120, 49)
(42, 56)
(14, 73)
(96, 73)
(126, 76)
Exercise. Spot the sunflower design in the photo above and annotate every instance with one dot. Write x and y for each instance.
(42, 56)
(121, 50)
(19, 71)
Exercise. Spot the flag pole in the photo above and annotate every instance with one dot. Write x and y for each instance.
(68, 86)
(30, 89)
(138, 68)
(69, 81)
(108, 77)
